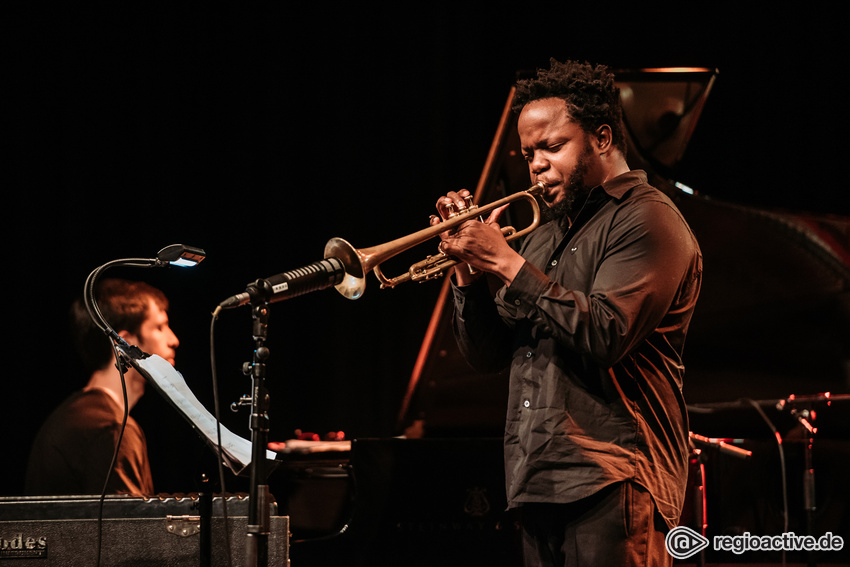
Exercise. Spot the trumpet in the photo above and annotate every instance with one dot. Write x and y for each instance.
(359, 262)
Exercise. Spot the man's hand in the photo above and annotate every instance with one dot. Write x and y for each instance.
(479, 245)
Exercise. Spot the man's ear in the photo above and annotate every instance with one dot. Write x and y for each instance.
(604, 139)
(129, 337)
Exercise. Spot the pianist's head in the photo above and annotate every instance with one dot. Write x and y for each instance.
(136, 310)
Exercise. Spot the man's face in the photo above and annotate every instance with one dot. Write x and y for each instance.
(558, 152)
(155, 336)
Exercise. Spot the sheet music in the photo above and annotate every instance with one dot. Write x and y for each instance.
(236, 450)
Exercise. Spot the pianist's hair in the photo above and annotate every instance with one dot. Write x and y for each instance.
(590, 93)
(124, 304)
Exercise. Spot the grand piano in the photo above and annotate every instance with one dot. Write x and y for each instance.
(768, 353)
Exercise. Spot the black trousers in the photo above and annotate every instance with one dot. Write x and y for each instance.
(617, 526)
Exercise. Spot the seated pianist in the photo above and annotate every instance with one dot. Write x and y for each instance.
(72, 451)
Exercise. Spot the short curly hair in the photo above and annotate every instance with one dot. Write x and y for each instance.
(124, 304)
(589, 91)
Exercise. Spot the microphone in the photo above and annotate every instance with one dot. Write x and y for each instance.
(314, 277)
(722, 445)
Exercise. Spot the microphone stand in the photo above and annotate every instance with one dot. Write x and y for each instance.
(805, 417)
(697, 462)
(260, 294)
(258, 513)
(809, 485)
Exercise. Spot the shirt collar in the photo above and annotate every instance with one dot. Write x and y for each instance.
(615, 188)
(618, 186)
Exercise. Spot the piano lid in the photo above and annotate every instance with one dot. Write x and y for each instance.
(661, 107)
(773, 317)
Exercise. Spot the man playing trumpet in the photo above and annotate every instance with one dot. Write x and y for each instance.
(591, 320)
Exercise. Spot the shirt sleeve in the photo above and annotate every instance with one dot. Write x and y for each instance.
(482, 330)
(132, 474)
(638, 270)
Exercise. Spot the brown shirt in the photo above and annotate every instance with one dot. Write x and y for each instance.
(73, 450)
(593, 328)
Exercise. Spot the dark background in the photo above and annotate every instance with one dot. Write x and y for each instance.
(259, 135)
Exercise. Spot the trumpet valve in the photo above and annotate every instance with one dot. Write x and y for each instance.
(454, 210)
(429, 268)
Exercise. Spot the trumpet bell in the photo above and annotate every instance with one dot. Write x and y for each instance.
(353, 283)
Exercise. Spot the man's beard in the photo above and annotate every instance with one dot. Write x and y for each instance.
(575, 194)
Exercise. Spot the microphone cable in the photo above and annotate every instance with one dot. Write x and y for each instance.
(121, 370)
(778, 438)
(221, 476)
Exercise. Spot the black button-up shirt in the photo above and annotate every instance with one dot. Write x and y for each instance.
(593, 328)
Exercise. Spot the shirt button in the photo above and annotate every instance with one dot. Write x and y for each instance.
(554, 263)
(517, 302)
(526, 403)
(529, 354)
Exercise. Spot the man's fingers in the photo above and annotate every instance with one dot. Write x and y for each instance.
(496, 214)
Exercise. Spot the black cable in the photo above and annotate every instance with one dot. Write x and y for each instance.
(100, 322)
(120, 366)
(89, 293)
(778, 438)
(218, 433)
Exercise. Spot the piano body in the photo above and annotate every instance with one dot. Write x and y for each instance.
(436, 495)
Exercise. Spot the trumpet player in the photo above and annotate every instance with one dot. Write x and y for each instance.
(591, 319)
